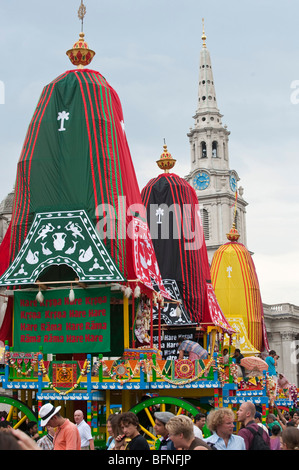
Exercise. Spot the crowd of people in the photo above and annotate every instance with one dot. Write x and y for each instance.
(214, 431)
(60, 433)
(280, 432)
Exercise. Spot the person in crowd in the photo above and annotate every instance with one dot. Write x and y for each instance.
(283, 384)
(271, 421)
(15, 439)
(296, 418)
(200, 421)
(46, 442)
(110, 440)
(130, 427)
(32, 430)
(271, 360)
(194, 350)
(5, 425)
(237, 360)
(259, 422)
(113, 427)
(110, 444)
(181, 432)
(246, 416)
(290, 438)
(67, 436)
(275, 438)
(87, 442)
(282, 418)
(161, 419)
(286, 416)
(225, 356)
(221, 422)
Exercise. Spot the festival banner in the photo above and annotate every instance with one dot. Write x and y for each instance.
(58, 325)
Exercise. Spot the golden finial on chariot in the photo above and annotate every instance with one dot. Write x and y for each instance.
(80, 55)
(81, 13)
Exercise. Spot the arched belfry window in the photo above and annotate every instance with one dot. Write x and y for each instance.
(203, 147)
(214, 149)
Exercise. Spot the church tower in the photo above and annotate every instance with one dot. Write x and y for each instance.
(216, 185)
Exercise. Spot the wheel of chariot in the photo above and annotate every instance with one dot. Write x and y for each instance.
(145, 412)
(18, 412)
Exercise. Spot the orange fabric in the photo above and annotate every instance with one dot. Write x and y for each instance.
(67, 437)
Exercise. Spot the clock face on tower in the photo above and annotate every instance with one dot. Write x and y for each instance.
(233, 183)
(201, 180)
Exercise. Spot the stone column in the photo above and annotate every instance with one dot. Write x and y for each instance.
(285, 365)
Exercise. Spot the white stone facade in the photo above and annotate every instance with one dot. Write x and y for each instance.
(282, 325)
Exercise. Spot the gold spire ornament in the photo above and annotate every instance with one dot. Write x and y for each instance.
(80, 55)
(203, 37)
(166, 162)
(81, 13)
(233, 234)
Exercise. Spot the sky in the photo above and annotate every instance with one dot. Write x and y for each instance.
(148, 50)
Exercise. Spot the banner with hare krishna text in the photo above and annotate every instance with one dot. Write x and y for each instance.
(60, 326)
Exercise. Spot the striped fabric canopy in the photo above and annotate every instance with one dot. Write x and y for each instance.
(179, 242)
(237, 289)
(76, 157)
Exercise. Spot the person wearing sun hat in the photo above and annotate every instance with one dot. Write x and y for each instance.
(46, 412)
(67, 436)
(163, 442)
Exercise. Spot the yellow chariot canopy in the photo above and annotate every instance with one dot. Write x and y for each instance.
(240, 339)
(237, 290)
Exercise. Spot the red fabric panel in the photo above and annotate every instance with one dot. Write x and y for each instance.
(6, 327)
(4, 251)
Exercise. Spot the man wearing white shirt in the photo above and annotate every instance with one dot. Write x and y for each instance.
(199, 421)
(84, 431)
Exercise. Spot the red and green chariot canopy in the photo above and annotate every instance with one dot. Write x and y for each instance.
(76, 162)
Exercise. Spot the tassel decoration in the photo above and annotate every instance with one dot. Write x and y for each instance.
(72, 295)
(128, 291)
(137, 292)
(3, 308)
(39, 297)
(178, 311)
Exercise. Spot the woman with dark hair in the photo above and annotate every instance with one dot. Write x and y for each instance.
(275, 438)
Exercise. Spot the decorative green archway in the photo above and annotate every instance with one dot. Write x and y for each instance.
(18, 411)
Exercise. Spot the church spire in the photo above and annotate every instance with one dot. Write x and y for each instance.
(215, 183)
(206, 88)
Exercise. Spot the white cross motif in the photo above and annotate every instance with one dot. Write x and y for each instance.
(122, 126)
(229, 270)
(62, 116)
(159, 213)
